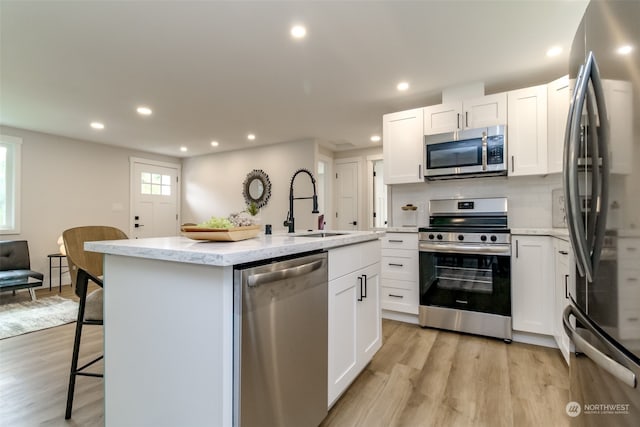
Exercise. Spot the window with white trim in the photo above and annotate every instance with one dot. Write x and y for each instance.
(10, 150)
(155, 184)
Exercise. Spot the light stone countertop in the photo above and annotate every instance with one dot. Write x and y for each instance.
(183, 249)
(561, 233)
(410, 229)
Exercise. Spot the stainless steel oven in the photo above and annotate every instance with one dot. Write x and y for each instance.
(465, 267)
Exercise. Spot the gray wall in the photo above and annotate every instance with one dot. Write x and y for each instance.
(68, 183)
(212, 184)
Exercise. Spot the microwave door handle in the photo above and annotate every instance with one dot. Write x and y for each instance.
(605, 362)
(602, 204)
(575, 221)
(484, 151)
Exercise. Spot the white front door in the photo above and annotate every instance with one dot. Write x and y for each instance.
(154, 199)
(347, 195)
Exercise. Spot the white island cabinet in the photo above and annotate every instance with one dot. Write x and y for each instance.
(168, 322)
(355, 325)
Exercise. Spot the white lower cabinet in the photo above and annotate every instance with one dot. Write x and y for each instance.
(564, 287)
(355, 325)
(532, 284)
(628, 288)
(400, 265)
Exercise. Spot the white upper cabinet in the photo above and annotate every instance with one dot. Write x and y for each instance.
(489, 110)
(442, 118)
(527, 131)
(559, 97)
(403, 146)
(484, 111)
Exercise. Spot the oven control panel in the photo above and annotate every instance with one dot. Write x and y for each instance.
(486, 238)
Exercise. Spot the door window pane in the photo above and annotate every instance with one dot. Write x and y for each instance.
(155, 184)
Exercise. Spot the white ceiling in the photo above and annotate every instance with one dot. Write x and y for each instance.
(219, 70)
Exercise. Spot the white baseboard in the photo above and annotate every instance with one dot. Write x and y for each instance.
(535, 339)
(400, 317)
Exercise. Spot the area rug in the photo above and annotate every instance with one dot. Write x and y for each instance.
(29, 316)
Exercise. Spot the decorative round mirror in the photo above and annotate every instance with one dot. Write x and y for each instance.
(256, 188)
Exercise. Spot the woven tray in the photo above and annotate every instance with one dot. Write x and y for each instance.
(221, 234)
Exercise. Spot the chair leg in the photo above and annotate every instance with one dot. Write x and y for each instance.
(75, 356)
(33, 294)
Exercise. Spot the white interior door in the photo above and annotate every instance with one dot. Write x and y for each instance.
(155, 199)
(347, 195)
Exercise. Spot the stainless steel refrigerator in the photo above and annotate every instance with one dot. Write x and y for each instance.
(601, 180)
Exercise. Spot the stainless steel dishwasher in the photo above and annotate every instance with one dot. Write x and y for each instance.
(280, 342)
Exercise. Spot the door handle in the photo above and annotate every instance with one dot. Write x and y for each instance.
(287, 273)
(566, 292)
(354, 223)
(603, 153)
(365, 286)
(484, 151)
(138, 225)
(394, 264)
(602, 360)
(360, 280)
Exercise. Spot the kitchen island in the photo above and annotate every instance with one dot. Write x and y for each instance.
(168, 315)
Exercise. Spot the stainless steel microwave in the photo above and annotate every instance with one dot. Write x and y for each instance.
(465, 154)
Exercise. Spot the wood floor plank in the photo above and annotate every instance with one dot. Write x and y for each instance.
(420, 377)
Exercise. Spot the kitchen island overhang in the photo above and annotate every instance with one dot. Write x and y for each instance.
(168, 314)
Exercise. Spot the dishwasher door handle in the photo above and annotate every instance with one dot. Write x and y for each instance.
(288, 273)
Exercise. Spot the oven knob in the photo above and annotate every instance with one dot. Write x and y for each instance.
(483, 238)
(460, 237)
(494, 238)
(431, 236)
(439, 236)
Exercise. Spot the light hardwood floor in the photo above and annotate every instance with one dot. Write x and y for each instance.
(427, 377)
(420, 377)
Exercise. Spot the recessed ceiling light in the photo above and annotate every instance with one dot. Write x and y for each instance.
(375, 138)
(554, 51)
(624, 50)
(97, 125)
(214, 143)
(403, 86)
(145, 111)
(251, 137)
(183, 149)
(298, 32)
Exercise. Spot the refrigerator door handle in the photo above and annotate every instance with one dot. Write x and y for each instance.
(602, 202)
(575, 222)
(605, 362)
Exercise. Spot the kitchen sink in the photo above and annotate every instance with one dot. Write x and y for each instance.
(322, 234)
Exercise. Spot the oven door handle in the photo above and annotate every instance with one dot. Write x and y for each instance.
(456, 248)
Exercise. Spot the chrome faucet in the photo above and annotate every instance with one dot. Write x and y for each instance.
(290, 221)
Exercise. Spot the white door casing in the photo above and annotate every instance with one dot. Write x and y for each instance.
(155, 199)
(347, 173)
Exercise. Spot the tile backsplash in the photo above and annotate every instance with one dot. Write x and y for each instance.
(529, 198)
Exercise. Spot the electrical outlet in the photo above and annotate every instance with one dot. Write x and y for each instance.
(558, 213)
